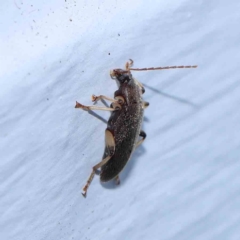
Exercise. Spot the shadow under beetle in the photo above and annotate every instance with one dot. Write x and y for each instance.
(124, 125)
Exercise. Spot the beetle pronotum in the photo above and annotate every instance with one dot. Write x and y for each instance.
(124, 125)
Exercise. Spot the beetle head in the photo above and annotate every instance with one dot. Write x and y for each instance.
(121, 75)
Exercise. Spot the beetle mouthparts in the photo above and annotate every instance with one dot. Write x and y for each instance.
(112, 74)
(117, 72)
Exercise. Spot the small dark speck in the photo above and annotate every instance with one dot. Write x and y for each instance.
(82, 71)
(47, 99)
(108, 53)
(119, 34)
(70, 20)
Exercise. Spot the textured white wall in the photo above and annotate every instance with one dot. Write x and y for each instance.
(182, 183)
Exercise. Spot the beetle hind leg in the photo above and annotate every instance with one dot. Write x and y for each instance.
(117, 180)
(143, 135)
(110, 146)
(94, 171)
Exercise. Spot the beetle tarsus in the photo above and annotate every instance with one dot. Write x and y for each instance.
(94, 98)
(117, 180)
(84, 193)
(79, 105)
(129, 64)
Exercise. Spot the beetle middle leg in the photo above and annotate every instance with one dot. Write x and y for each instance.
(143, 135)
(114, 106)
(87, 108)
(110, 145)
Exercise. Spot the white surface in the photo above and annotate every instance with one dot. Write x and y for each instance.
(183, 183)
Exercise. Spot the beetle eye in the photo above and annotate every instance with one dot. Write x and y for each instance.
(123, 78)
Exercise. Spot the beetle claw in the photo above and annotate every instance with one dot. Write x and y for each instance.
(84, 191)
(79, 105)
(94, 98)
(84, 194)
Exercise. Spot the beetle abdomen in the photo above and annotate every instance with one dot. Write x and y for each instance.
(125, 136)
(118, 161)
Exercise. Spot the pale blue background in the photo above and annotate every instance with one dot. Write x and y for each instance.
(183, 183)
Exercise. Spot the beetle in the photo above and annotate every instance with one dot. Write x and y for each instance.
(124, 125)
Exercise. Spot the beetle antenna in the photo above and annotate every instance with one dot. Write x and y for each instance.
(161, 68)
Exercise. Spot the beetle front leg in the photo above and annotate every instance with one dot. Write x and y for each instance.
(143, 135)
(102, 97)
(87, 108)
(110, 145)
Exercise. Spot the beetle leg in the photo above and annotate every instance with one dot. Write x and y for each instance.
(129, 64)
(97, 98)
(145, 104)
(87, 108)
(143, 135)
(117, 180)
(110, 145)
(114, 106)
(104, 161)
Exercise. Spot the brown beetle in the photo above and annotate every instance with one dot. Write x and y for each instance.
(124, 125)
